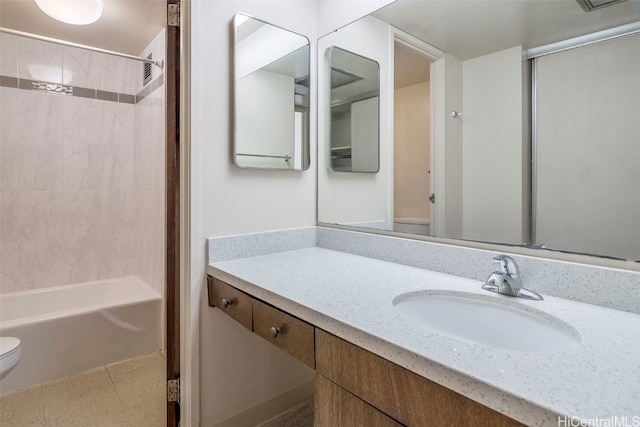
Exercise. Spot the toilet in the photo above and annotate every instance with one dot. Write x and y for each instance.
(10, 354)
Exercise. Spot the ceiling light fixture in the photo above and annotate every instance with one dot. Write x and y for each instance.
(76, 12)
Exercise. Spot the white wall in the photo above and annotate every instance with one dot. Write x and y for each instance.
(265, 123)
(446, 182)
(237, 369)
(264, 46)
(231, 370)
(364, 135)
(345, 197)
(494, 178)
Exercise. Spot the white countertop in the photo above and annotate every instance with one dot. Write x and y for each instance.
(351, 297)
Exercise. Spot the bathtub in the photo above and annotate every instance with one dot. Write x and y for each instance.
(69, 329)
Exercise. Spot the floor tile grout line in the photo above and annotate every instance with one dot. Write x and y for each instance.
(109, 374)
(124, 405)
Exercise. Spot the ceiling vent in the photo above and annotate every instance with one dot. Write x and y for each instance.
(146, 71)
(589, 5)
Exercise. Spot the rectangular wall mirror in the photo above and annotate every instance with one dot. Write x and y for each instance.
(503, 122)
(355, 96)
(271, 96)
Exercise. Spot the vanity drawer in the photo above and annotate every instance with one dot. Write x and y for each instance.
(398, 392)
(231, 301)
(285, 331)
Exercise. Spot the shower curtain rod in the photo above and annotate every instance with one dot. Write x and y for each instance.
(159, 64)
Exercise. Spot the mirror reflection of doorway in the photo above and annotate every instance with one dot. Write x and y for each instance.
(412, 141)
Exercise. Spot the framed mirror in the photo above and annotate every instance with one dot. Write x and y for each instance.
(355, 104)
(500, 122)
(271, 96)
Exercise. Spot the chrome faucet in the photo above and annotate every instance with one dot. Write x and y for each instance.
(507, 281)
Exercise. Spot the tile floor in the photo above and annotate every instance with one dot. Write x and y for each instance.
(125, 394)
(300, 416)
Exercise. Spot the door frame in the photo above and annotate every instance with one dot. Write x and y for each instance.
(189, 394)
(437, 117)
(176, 208)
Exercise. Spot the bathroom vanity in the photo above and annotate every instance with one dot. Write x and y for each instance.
(353, 385)
(336, 312)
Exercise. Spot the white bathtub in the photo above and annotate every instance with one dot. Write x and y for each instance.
(69, 329)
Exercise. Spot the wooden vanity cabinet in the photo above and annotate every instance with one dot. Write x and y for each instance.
(334, 406)
(403, 395)
(281, 329)
(231, 301)
(354, 387)
(285, 332)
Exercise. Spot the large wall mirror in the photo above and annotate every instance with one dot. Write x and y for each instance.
(271, 96)
(503, 122)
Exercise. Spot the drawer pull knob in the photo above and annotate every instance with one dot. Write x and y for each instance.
(274, 331)
(226, 303)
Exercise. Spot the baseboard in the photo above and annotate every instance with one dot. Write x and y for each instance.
(301, 415)
(272, 408)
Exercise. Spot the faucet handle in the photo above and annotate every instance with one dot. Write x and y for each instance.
(508, 265)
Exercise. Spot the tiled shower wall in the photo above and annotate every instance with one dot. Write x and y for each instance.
(81, 166)
(150, 173)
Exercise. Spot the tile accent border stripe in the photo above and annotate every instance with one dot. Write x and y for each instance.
(51, 87)
(150, 88)
(7, 81)
(83, 92)
(107, 96)
(127, 99)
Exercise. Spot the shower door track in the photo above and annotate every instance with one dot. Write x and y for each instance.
(159, 64)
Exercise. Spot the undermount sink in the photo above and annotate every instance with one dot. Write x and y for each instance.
(475, 318)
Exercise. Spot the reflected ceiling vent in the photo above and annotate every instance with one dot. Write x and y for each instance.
(342, 78)
(146, 71)
(589, 5)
